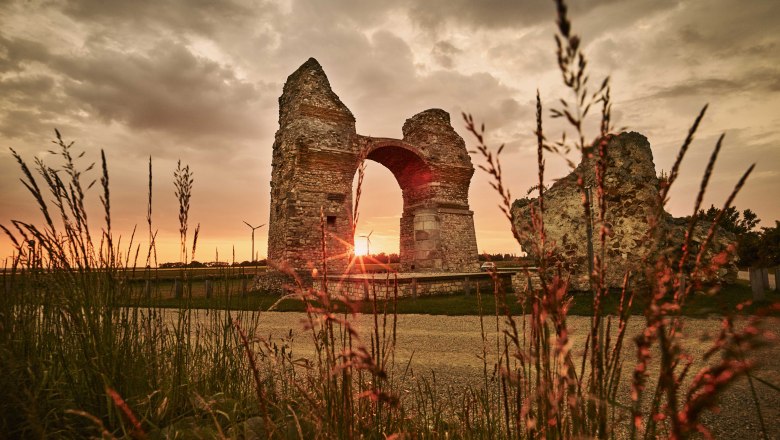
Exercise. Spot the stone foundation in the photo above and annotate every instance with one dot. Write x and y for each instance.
(362, 286)
(359, 287)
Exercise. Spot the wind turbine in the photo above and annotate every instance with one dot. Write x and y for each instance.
(253, 237)
(368, 242)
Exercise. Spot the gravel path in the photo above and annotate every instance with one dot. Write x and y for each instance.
(450, 346)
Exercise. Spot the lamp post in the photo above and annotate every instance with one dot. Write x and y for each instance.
(253, 238)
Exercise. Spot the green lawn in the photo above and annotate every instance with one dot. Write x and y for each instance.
(698, 305)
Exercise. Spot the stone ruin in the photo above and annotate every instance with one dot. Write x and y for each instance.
(631, 192)
(316, 154)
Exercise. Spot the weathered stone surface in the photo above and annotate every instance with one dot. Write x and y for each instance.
(315, 157)
(631, 197)
(414, 285)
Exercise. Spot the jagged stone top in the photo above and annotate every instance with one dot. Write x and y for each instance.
(630, 164)
(629, 148)
(431, 131)
(628, 153)
(308, 88)
(434, 118)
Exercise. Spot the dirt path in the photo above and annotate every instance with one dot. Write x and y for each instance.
(450, 347)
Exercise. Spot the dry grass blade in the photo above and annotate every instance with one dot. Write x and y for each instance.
(32, 186)
(694, 217)
(719, 216)
(182, 182)
(138, 431)
(104, 434)
(250, 355)
(680, 155)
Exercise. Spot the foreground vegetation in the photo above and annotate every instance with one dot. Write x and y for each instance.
(76, 365)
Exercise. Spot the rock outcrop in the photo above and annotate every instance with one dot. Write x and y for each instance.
(631, 190)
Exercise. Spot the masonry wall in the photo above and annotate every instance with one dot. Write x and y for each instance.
(357, 289)
(314, 160)
(459, 241)
(315, 156)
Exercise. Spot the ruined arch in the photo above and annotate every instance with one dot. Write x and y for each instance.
(315, 156)
(412, 173)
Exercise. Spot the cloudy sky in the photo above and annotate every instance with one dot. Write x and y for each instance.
(199, 81)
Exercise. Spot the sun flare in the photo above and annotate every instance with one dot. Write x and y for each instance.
(361, 246)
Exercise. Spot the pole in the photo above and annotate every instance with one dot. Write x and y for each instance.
(368, 242)
(253, 228)
(589, 228)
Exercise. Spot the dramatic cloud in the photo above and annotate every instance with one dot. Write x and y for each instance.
(443, 52)
(199, 81)
(167, 89)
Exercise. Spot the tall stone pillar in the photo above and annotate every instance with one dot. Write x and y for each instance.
(314, 160)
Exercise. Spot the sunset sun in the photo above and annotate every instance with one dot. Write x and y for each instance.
(361, 246)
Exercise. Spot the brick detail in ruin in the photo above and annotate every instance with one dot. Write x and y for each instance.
(631, 196)
(316, 153)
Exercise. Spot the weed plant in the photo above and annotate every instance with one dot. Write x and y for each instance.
(78, 361)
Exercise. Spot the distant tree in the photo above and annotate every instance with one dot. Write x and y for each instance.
(769, 251)
(732, 220)
(743, 225)
(246, 263)
(494, 257)
(663, 179)
(748, 249)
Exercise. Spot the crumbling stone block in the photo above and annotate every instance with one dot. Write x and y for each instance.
(631, 197)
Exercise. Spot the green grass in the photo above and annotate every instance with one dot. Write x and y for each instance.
(698, 305)
(252, 301)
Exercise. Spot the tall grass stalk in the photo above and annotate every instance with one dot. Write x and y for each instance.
(546, 396)
(65, 342)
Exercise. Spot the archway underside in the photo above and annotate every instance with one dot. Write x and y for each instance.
(424, 245)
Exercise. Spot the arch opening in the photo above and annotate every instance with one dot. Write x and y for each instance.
(379, 210)
(409, 169)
